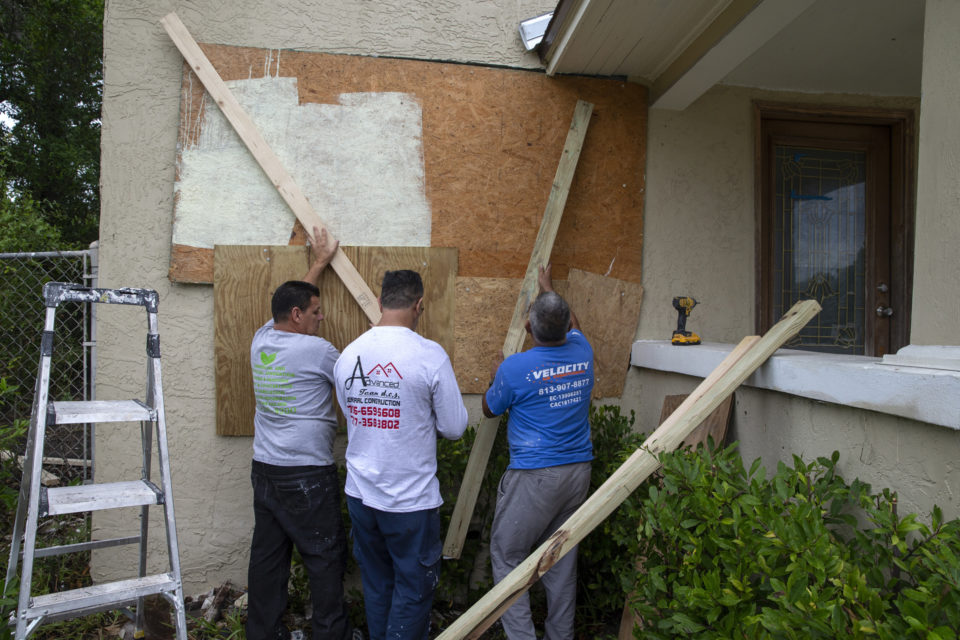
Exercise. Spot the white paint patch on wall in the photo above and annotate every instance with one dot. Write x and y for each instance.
(359, 162)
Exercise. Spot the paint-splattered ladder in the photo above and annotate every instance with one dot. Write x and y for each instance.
(37, 501)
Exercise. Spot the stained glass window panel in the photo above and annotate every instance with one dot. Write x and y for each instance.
(818, 252)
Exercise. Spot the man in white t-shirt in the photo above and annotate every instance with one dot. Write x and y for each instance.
(296, 492)
(397, 391)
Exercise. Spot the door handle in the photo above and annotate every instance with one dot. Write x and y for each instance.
(884, 312)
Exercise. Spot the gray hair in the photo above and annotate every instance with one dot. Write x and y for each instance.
(549, 317)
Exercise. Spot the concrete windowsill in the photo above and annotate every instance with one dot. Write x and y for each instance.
(921, 393)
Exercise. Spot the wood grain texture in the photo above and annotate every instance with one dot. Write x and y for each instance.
(266, 158)
(549, 224)
(513, 342)
(244, 280)
(481, 325)
(492, 139)
(608, 310)
(246, 276)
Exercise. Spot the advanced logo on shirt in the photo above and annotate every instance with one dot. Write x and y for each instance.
(550, 375)
(385, 370)
(376, 404)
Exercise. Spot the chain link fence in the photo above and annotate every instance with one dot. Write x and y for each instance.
(68, 448)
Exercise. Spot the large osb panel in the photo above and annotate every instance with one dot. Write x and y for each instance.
(607, 309)
(490, 141)
(244, 281)
(483, 314)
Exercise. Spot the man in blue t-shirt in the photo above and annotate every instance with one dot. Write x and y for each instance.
(547, 391)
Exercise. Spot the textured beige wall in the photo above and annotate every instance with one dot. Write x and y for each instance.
(915, 459)
(699, 223)
(936, 292)
(700, 194)
(141, 109)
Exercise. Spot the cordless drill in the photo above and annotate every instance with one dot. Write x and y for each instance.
(684, 305)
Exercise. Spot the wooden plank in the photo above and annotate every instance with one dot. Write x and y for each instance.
(715, 426)
(539, 257)
(266, 158)
(608, 310)
(735, 368)
(244, 281)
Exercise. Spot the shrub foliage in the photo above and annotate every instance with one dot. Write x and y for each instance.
(728, 553)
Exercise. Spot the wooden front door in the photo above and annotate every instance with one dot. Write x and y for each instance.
(832, 220)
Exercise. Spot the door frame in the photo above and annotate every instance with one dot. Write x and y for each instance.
(900, 123)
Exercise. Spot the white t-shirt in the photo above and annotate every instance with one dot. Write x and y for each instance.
(397, 391)
(296, 419)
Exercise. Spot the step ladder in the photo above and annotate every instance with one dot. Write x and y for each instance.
(37, 501)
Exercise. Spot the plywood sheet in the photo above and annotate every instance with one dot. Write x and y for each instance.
(483, 312)
(246, 276)
(608, 310)
(490, 141)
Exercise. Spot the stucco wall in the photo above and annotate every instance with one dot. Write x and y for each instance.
(936, 292)
(700, 189)
(699, 225)
(141, 109)
(915, 459)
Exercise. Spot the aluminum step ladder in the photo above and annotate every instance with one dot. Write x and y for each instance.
(37, 501)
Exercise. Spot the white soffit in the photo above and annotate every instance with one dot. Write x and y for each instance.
(628, 37)
(678, 90)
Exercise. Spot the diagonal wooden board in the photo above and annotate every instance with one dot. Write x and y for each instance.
(539, 257)
(266, 158)
(715, 426)
(246, 276)
(752, 352)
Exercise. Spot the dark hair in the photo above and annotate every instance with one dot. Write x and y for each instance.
(549, 317)
(292, 293)
(401, 289)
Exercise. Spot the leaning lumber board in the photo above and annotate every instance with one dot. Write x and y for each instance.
(266, 158)
(735, 368)
(487, 430)
(715, 426)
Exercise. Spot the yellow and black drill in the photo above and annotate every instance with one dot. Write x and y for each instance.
(684, 305)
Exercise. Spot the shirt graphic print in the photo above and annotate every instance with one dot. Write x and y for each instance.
(373, 398)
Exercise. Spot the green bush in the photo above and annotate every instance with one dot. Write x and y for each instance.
(728, 553)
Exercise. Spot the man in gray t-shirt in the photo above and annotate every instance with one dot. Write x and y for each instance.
(296, 493)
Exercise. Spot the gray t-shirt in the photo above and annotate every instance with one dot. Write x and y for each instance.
(296, 419)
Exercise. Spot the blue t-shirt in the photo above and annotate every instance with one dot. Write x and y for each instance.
(547, 390)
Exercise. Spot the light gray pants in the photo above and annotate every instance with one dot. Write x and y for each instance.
(531, 505)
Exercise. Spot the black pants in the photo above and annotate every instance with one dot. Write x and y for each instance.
(296, 506)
